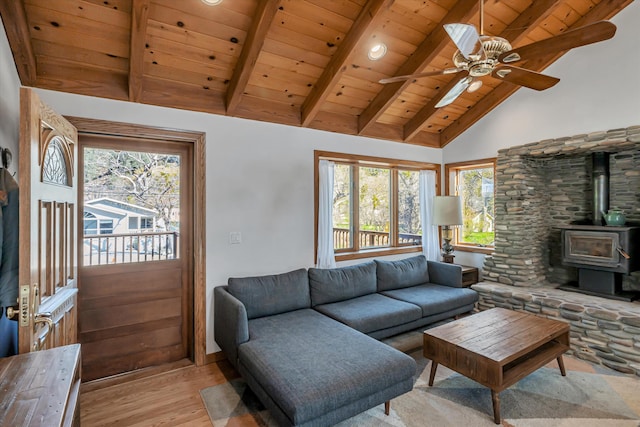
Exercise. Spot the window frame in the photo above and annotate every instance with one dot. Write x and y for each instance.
(454, 168)
(377, 162)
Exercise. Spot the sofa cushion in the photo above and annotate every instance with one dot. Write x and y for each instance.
(267, 295)
(402, 273)
(371, 312)
(310, 364)
(338, 284)
(434, 299)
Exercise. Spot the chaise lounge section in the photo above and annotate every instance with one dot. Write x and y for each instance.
(306, 341)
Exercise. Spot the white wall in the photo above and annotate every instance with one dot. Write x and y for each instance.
(599, 90)
(259, 182)
(260, 175)
(9, 102)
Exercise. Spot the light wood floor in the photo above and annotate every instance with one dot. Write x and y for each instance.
(172, 398)
(165, 399)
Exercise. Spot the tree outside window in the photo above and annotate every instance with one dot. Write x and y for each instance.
(376, 205)
(474, 183)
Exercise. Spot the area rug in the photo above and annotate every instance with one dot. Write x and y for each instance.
(589, 396)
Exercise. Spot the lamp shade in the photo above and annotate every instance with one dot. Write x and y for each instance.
(447, 210)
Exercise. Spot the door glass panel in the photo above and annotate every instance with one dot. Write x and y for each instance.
(55, 166)
(131, 206)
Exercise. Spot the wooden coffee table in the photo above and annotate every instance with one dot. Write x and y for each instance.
(496, 348)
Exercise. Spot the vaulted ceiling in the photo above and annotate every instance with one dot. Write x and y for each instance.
(295, 62)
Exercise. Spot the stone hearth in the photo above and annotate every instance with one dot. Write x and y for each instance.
(546, 184)
(541, 186)
(603, 331)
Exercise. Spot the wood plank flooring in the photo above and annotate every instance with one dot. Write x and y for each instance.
(166, 399)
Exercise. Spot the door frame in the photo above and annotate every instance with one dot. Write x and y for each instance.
(105, 127)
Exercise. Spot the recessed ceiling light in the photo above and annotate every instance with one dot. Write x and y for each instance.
(377, 51)
(212, 2)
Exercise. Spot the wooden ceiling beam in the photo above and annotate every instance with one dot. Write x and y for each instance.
(348, 125)
(172, 94)
(428, 50)
(362, 29)
(515, 32)
(265, 13)
(139, 18)
(17, 29)
(55, 72)
(604, 10)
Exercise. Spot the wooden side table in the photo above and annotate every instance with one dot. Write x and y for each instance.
(469, 275)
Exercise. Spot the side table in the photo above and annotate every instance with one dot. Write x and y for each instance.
(469, 275)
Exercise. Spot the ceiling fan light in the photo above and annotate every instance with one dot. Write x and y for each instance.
(502, 72)
(512, 57)
(377, 51)
(212, 2)
(474, 86)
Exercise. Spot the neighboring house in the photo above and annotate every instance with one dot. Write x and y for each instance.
(109, 216)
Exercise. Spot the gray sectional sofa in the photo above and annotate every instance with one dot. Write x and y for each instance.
(306, 341)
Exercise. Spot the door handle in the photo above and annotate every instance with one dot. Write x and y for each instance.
(13, 312)
(44, 317)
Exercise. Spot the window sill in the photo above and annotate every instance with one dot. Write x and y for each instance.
(372, 253)
(487, 250)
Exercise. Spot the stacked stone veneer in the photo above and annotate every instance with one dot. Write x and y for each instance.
(540, 186)
(548, 183)
(603, 331)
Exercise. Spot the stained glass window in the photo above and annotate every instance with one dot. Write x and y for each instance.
(55, 165)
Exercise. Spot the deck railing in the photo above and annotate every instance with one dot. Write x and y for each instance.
(101, 249)
(371, 239)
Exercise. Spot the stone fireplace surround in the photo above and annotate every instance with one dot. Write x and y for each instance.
(538, 187)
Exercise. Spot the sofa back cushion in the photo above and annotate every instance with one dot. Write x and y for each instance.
(339, 284)
(402, 273)
(275, 294)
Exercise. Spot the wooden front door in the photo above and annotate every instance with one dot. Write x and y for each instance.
(136, 282)
(47, 234)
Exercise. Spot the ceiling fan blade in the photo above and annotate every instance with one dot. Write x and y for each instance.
(465, 37)
(592, 33)
(523, 77)
(462, 85)
(418, 75)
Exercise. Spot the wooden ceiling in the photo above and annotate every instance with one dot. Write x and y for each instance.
(295, 62)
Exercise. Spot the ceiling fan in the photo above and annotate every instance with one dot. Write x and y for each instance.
(480, 55)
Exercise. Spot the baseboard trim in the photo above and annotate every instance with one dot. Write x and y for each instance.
(125, 377)
(214, 357)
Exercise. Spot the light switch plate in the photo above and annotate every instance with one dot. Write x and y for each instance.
(235, 237)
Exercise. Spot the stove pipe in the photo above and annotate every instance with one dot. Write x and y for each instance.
(600, 186)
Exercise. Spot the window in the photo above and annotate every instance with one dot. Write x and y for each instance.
(146, 223)
(106, 226)
(133, 223)
(90, 223)
(376, 205)
(93, 226)
(474, 183)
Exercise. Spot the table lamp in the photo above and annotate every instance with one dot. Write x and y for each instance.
(447, 212)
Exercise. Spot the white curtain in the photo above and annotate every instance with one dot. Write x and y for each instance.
(326, 258)
(430, 243)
